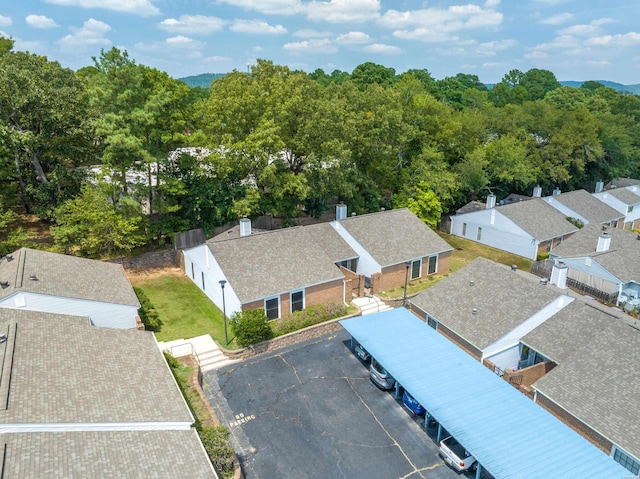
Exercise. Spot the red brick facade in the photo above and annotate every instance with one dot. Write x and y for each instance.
(395, 275)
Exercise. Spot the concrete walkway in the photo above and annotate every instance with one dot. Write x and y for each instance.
(206, 351)
(370, 304)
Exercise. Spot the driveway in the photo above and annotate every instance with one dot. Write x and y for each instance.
(310, 411)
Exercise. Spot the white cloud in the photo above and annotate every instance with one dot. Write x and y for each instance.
(498, 44)
(439, 25)
(311, 46)
(353, 38)
(557, 19)
(311, 33)
(180, 39)
(343, 11)
(602, 21)
(5, 21)
(381, 48)
(192, 24)
(626, 39)
(270, 7)
(256, 26)
(137, 7)
(598, 63)
(581, 30)
(92, 33)
(536, 55)
(216, 59)
(40, 21)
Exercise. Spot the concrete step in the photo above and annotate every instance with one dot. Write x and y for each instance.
(209, 355)
(370, 305)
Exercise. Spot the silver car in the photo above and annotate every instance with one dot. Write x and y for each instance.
(380, 376)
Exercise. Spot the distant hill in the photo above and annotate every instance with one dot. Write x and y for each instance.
(635, 89)
(203, 80)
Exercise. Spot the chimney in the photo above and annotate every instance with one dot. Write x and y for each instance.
(341, 211)
(491, 201)
(559, 274)
(599, 186)
(604, 242)
(245, 227)
(493, 217)
(537, 191)
(556, 191)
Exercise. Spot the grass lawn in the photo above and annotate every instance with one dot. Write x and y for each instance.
(184, 310)
(464, 252)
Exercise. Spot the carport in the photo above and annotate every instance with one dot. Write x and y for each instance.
(509, 435)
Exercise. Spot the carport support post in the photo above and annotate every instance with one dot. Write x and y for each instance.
(397, 389)
(407, 265)
(439, 433)
(224, 312)
(478, 470)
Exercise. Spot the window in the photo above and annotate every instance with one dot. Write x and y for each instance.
(431, 322)
(416, 266)
(433, 264)
(548, 245)
(464, 229)
(479, 234)
(202, 280)
(193, 272)
(272, 308)
(627, 461)
(297, 301)
(630, 209)
(615, 223)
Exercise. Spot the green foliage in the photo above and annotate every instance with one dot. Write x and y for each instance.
(314, 314)
(148, 314)
(216, 442)
(250, 327)
(90, 225)
(575, 221)
(542, 256)
(11, 236)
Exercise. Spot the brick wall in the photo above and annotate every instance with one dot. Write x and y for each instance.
(528, 376)
(325, 293)
(354, 283)
(444, 262)
(575, 424)
(464, 345)
(395, 275)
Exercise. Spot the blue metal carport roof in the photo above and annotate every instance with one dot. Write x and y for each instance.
(510, 435)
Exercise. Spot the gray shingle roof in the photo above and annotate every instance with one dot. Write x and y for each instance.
(123, 454)
(539, 219)
(622, 259)
(597, 375)
(628, 197)
(587, 206)
(502, 298)
(622, 182)
(66, 371)
(66, 276)
(262, 265)
(394, 236)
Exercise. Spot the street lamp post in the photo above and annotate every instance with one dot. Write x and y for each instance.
(407, 265)
(224, 312)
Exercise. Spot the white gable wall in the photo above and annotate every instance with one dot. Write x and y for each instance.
(503, 234)
(505, 352)
(366, 264)
(621, 206)
(106, 315)
(565, 210)
(205, 266)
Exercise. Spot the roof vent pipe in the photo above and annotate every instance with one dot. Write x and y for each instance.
(556, 191)
(474, 311)
(514, 267)
(33, 277)
(4, 284)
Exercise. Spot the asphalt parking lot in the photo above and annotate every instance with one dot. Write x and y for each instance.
(310, 411)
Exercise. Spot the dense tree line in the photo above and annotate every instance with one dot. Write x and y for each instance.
(283, 142)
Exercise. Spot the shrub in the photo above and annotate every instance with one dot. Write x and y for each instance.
(542, 256)
(250, 327)
(318, 313)
(148, 315)
(216, 442)
(575, 221)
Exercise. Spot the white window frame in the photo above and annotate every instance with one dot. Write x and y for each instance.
(411, 276)
(304, 297)
(479, 234)
(432, 322)
(277, 298)
(435, 270)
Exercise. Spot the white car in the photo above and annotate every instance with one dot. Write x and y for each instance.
(455, 455)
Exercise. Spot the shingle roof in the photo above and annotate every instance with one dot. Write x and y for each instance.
(539, 219)
(622, 182)
(66, 276)
(596, 378)
(587, 206)
(622, 258)
(394, 236)
(625, 195)
(124, 454)
(66, 371)
(258, 266)
(503, 299)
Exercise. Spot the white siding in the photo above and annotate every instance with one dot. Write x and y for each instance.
(366, 264)
(205, 264)
(621, 206)
(504, 234)
(107, 315)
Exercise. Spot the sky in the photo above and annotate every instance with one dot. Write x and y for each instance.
(574, 39)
